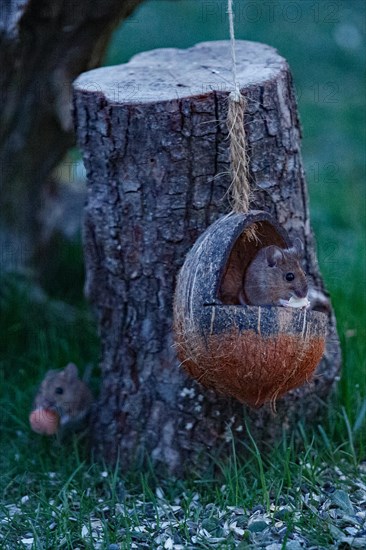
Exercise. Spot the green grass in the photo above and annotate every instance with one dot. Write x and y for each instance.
(68, 495)
(61, 483)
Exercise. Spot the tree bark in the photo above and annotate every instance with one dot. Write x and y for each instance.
(44, 45)
(155, 147)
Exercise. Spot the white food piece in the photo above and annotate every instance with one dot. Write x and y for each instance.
(296, 302)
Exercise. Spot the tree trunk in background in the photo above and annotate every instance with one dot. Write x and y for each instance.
(43, 47)
(155, 148)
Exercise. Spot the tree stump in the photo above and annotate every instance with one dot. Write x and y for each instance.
(155, 147)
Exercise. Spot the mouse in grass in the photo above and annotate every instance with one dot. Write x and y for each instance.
(62, 404)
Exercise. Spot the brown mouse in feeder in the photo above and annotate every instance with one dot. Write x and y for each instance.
(275, 277)
(62, 404)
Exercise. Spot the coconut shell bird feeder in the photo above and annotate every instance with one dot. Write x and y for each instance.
(255, 354)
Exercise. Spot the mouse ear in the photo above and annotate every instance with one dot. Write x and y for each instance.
(274, 255)
(298, 247)
(71, 371)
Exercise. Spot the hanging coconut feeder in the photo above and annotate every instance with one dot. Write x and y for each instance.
(253, 353)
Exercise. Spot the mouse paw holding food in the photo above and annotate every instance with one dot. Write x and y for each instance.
(275, 277)
(63, 401)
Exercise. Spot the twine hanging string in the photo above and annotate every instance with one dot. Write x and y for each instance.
(239, 189)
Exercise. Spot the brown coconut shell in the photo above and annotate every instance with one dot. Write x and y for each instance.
(255, 354)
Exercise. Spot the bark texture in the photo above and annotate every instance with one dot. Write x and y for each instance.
(44, 45)
(155, 147)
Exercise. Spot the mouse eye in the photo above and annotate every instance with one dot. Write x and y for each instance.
(290, 276)
(59, 390)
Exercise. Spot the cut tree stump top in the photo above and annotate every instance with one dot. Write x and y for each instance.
(171, 74)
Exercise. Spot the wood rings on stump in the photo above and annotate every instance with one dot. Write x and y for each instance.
(253, 353)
